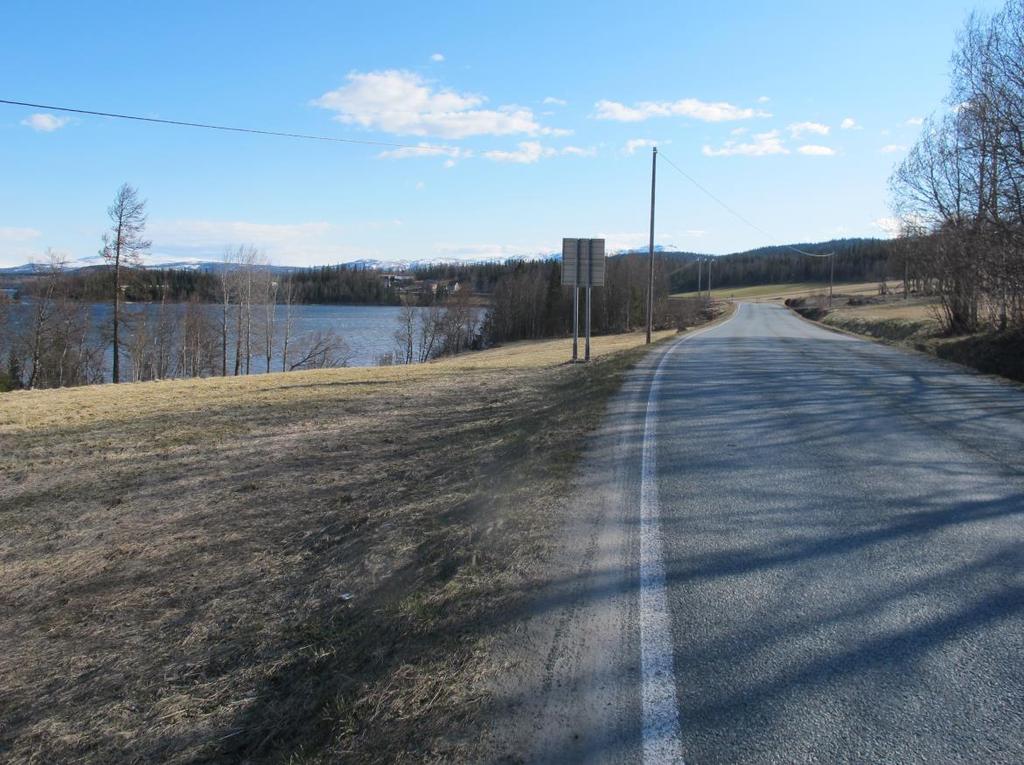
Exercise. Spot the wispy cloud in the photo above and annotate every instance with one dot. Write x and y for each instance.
(798, 129)
(488, 251)
(45, 123)
(888, 225)
(403, 102)
(915, 121)
(16, 234)
(579, 151)
(849, 123)
(763, 99)
(815, 150)
(893, 148)
(718, 111)
(529, 152)
(19, 245)
(760, 145)
(438, 57)
(634, 144)
(552, 101)
(305, 243)
(424, 149)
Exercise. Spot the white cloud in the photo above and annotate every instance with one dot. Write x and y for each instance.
(893, 148)
(718, 111)
(426, 150)
(488, 251)
(849, 124)
(761, 144)
(14, 234)
(402, 102)
(18, 246)
(763, 99)
(915, 121)
(438, 57)
(628, 240)
(552, 101)
(738, 131)
(633, 144)
(893, 226)
(798, 129)
(815, 150)
(888, 225)
(579, 151)
(528, 153)
(449, 163)
(306, 243)
(696, 233)
(45, 123)
(420, 185)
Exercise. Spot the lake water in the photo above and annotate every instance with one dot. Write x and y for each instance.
(367, 330)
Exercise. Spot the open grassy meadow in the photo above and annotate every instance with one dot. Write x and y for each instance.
(783, 291)
(302, 567)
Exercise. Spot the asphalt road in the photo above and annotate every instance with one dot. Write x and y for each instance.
(838, 529)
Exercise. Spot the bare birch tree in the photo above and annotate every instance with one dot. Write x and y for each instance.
(122, 247)
(287, 324)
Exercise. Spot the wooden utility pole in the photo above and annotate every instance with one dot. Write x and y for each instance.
(650, 275)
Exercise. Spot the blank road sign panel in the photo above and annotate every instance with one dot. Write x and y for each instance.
(596, 262)
(583, 262)
(569, 262)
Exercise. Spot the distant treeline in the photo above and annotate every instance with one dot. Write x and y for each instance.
(856, 260)
(334, 285)
(530, 302)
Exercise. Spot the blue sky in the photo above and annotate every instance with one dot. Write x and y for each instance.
(536, 119)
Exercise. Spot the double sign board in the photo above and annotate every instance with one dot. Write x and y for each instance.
(582, 266)
(583, 262)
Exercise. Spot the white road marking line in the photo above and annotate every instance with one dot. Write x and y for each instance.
(662, 739)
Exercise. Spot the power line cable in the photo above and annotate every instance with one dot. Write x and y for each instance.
(733, 212)
(181, 123)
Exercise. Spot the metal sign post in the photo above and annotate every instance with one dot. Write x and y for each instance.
(583, 265)
(590, 280)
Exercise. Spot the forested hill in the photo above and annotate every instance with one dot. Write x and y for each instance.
(855, 260)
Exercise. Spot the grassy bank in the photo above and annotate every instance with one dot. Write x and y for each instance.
(915, 324)
(305, 567)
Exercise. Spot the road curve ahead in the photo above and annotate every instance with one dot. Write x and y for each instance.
(840, 532)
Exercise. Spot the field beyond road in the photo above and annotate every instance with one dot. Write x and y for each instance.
(768, 292)
(305, 567)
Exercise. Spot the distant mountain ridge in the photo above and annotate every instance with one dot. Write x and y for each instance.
(155, 262)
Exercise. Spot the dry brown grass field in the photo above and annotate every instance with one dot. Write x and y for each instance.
(777, 292)
(305, 567)
(898, 310)
(916, 323)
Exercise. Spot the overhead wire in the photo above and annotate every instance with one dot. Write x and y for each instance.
(370, 142)
(227, 128)
(733, 212)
